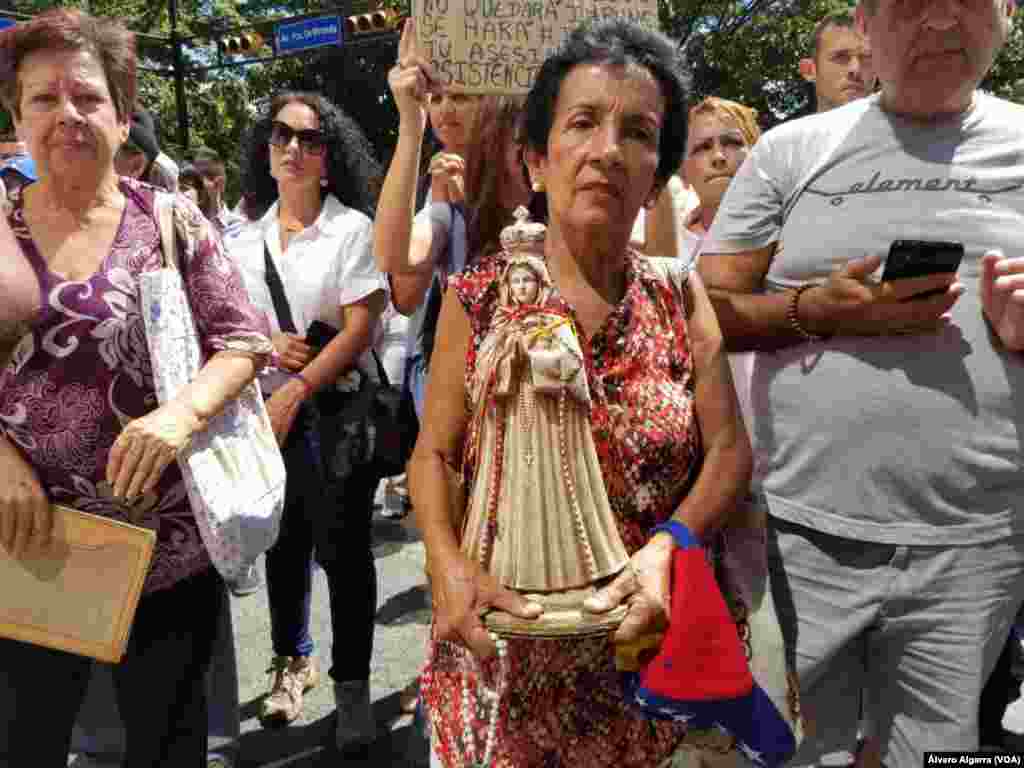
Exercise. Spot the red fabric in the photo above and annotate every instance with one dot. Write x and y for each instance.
(701, 657)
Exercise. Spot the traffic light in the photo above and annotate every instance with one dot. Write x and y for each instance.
(243, 42)
(381, 20)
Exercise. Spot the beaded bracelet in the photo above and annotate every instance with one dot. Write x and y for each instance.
(683, 536)
(794, 318)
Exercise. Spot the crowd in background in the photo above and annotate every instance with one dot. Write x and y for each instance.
(883, 431)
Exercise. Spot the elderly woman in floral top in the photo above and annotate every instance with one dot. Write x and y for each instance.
(79, 420)
(606, 127)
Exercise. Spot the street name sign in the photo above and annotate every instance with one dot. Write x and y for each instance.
(307, 34)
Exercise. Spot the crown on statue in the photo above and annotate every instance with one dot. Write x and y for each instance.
(524, 235)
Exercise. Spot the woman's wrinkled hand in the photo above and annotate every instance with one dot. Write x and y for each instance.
(293, 351)
(146, 446)
(645, 585)
(26, 521)
(412, 77)
(283, 407)
(463, 592)
(447, 178)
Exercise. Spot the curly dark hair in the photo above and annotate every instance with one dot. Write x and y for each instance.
(353, 174)
(615, 42)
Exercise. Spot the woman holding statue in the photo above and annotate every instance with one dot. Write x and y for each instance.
(578, 343)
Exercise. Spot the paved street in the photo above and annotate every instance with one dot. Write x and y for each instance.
(399, 647)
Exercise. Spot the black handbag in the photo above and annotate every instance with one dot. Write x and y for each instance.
(370, 429)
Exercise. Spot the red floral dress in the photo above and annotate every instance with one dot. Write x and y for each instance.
(563, 703)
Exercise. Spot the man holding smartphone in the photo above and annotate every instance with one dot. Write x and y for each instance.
(887, 423)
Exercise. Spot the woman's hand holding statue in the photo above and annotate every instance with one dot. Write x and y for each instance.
(463, 592)
(645, 584)
(147, 445)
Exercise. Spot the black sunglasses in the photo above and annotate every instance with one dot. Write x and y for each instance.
(311, 141)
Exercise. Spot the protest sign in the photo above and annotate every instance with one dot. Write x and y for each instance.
(497, 46)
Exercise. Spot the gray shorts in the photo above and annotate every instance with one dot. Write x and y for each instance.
(916, 629)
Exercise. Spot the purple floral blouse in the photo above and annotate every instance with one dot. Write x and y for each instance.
(84, 370)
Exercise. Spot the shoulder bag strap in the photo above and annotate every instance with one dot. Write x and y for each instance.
(164, 208)
(381, 373)
(284, 312)
(277, 295)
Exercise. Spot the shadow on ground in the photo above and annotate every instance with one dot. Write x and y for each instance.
(389, 536)
(411, 606)
(312, 745)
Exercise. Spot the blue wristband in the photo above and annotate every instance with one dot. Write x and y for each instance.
(684, 538)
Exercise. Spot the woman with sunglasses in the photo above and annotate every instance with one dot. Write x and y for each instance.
(308, 259)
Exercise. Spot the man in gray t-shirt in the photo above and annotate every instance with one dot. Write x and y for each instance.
(888, 431)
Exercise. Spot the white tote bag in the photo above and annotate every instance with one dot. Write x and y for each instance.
(233, 469)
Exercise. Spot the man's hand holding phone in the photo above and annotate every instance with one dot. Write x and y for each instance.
(851, 303)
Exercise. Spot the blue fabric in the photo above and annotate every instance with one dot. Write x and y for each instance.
(680, 532)
(23, 164)
(416, 382)
(761, 733)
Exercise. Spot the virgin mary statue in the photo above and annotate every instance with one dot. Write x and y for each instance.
(537, 516)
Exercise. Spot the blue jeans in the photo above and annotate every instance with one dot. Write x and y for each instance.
(416, 382)
(335, 524)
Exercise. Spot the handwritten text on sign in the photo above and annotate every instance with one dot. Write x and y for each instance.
(497, 46)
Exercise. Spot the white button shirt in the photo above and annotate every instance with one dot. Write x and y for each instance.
(325, 267)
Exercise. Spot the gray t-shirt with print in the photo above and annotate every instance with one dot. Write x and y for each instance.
(897, 439)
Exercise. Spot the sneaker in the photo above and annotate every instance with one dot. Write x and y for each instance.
(248, 583)
(218, 760)
(86, 760)
(292, 678)
(356, 727)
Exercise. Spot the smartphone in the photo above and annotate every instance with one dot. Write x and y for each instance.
(320, 334)
(917, 258)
